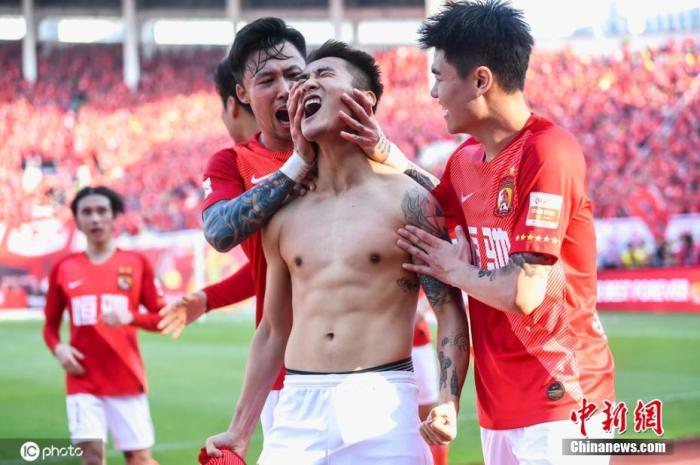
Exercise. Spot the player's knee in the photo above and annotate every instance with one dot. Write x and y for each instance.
(93, 453)
(138, 457)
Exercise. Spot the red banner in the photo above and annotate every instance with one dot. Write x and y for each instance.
(650, 289)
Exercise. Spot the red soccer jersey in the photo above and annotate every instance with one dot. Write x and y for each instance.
(113, 365)
(532, 198)
(421, 333)
(231, 172)
(236, 288)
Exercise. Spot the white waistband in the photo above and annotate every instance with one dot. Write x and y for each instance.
(330, 380)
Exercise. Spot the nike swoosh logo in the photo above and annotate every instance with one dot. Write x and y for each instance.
(255, 180)
(74, 284)
(466, 197)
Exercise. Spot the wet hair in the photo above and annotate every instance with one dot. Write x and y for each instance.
(115, 200)
(267, 34)
(362, 65)
(225, 83)
(482, 32)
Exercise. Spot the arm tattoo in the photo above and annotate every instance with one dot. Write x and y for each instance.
(383, 148)
(228, 223)
(408, 285)
(445, 363)
(421, 211)
(528, 262)
(461, 341)
(422, 177)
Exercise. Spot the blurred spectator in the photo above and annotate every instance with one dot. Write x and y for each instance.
(688, 253)
(662, 255)
(634, 255)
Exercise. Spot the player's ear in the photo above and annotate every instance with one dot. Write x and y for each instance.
(483, 79)
(232, 107)
(372, 97)
(242, 94)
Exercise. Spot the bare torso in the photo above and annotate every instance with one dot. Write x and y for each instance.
(353, 304)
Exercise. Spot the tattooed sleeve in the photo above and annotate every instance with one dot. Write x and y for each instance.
(422, 211)
(422, 177)
(229, 222)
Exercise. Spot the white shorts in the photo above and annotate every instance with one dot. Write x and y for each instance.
(349, 419)
(541, 444)
(266, 416)
(425, 364)
(127, 418)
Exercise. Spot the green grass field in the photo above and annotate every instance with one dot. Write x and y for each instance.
(194, 382)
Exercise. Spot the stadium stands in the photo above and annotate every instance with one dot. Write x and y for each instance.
(79, 124)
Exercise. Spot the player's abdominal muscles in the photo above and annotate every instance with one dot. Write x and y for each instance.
(349, 339)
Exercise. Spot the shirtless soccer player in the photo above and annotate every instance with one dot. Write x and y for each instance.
(339, 309)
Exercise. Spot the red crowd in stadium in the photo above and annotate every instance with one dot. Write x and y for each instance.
(79, 125)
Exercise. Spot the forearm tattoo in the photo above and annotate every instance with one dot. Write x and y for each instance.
(422, 177)
(461, 342)
(228, 223)
(383, 148)
(423, 212)
(528, 262)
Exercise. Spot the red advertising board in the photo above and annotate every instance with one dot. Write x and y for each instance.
(650, 289)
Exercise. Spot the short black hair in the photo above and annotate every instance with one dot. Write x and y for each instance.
(363, 66)
(226, 84)
(115, 200)
(482, 32)
(268, 34)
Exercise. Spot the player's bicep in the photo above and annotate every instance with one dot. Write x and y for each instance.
(421, 210)
(531, 272)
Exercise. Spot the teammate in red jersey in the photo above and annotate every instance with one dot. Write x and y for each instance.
(241, 126)
(102, 288)
(518, 188)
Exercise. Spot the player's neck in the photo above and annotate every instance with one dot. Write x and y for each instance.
(341, 165)
(100, 252)
(507, 117)
(275, 144)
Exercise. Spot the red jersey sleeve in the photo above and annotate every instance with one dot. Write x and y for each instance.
(551, 186)
(151, 298)
(236, 288)
(446, 196)
(53, 310)
(221, 180)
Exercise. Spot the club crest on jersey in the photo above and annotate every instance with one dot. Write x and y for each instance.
(124, 279)
(504, 201)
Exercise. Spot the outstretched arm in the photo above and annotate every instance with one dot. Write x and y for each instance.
(422, 211)
(266, 352)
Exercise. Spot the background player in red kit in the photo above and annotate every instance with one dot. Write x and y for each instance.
(102, 288)
(518, 187)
